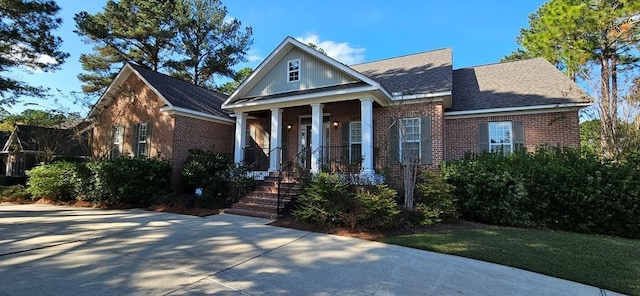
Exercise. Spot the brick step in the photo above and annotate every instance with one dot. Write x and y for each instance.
(273, 194)
(249, 213)
(255, 207)
(263, 200)
(274, 187)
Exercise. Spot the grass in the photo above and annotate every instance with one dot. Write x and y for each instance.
(602, 261)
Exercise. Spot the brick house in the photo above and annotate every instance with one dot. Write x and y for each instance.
(144, 113)
(304, 108)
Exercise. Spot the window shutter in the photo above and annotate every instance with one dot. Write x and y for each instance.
(344, 150)
(426, 151)
(149, 124)
(394, 143)
(518, 135)
(483, 137)
(133, 134)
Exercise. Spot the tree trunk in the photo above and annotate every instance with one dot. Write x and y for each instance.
(605, 103)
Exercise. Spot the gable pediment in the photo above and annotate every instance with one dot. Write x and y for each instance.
(313, 74)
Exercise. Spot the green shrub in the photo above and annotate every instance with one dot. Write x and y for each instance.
(14, 193)
(208, 170)
(434, 200)
(377, 207)
(327, 200)
(55, 181)
(324, 201)
(126, 181)
(551, 188)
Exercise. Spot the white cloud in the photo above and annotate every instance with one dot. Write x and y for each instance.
(254, 58)
(30, 62)
(342, 51)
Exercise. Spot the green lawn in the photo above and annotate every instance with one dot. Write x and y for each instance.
(606, 262)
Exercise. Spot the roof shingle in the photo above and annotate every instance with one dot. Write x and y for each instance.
(513, 84)
(184, 94)
(421, 73)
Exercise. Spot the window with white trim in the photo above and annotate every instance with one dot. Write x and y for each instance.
(117, 139)
(501, 137)
(293, 70)
(355, 142)
(142, 140)
(410, 140)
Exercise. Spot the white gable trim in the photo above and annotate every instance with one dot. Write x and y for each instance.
(172, 110)
(122, 76)
(278, 53)
(514, 110)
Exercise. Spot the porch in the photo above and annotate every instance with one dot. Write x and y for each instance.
(331, 137)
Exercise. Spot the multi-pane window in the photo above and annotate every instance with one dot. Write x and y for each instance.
(501, 137)
(355, 141)
(142, 140)
(117, 141)
(409, 140)
(294, 70)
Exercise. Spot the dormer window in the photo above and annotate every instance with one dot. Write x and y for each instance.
(294, 70)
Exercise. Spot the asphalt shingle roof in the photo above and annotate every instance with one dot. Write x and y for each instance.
(184, 94)
(513, 84)
(421, 73)
(64, 141)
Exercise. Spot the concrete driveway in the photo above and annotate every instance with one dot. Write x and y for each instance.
(77, 251)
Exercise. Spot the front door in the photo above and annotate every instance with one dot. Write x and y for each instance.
(304, 141)
(305, 144)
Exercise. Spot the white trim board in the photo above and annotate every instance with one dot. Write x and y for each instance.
(515, 110)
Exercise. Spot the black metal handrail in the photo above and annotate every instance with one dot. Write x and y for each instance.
(288, 167)
(261, 159)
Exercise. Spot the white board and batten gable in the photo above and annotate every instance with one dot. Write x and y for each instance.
(320, 79)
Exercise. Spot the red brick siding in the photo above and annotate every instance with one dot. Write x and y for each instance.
(560, 128)
(193, 133)
(122, 111)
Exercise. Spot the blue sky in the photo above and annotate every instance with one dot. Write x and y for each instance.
(479, 32)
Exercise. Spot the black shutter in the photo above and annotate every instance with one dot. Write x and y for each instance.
(149, 125)
(483, 137)
(133, 134)
(426, 149)
(394, 143)
(344, 149)
(518, 136)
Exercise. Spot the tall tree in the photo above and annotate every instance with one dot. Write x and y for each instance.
(207, 43)
(26, 40)
(576, 34)
(127, 30)
(190, 39)
(229, 87)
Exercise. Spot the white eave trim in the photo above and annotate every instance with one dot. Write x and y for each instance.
(173, 110)
(286, 99)
(520, 110)
(421, 96)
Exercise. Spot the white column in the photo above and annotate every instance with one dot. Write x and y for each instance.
(366, 118)
(316, 137)
(276, 140)
(240, 137)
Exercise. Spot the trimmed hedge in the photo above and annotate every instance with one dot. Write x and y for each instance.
(554, 188)
(120, 181)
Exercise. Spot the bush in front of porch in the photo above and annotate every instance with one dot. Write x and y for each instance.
(330, 200)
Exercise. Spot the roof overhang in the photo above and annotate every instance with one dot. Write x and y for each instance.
(173, 110)
(354, 93)
(281, 50)
(515, 110)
